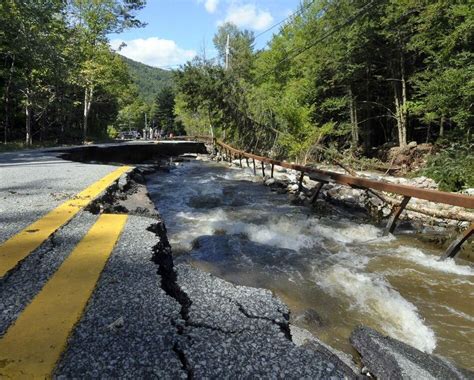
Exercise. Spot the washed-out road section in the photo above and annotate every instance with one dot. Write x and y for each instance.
(146, 316)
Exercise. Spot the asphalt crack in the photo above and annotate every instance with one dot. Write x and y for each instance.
(163, 257)
(284, 327)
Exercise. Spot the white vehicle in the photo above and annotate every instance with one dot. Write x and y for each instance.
(129, 135)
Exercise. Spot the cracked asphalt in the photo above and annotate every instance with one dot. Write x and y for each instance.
(146, 317)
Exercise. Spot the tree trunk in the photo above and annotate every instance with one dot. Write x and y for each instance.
(210, 123)
(441, 127)
(28, 111)
(403, 108)
(88, 94)
(6, 98)
(354, 122)
(400, 98)
(401, 120)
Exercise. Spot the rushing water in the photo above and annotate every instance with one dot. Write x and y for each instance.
(335, 272)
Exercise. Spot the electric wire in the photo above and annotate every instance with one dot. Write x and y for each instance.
(301, 10)
(289, 55)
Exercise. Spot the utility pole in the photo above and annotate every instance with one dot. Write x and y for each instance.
(227, 52)
(145, 131)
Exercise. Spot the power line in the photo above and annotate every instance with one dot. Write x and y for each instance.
(301, 10)
(348, 21)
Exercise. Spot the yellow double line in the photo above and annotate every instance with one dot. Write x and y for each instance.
(33, 345)
(22, 244)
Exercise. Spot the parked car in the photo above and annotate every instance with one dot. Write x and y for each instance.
(129, 135)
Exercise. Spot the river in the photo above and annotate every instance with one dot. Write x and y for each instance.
(334, 269)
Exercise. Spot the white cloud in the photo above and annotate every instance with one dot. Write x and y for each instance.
(210, 5)
(154, 51)
(248, 16)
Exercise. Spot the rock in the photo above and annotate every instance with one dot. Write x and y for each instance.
(270, 181)
(309, 317)
(295, 200)
(293, 187)
(469, 191)
(388, 358)
(412, 144)
(117, 324)
(205, 201)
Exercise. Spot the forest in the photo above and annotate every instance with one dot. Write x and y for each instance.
(60, 81)
(371, 83)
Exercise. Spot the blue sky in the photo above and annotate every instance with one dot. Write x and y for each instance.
(177, 30)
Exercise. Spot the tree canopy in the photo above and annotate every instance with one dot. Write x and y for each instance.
(349, 74)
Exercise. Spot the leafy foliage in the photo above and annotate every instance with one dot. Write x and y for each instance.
(453, 167)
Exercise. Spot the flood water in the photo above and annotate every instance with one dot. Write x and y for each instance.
(334, 271)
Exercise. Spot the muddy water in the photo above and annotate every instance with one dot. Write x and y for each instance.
(334, 270)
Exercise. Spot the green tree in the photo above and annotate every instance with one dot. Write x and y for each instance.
(32, 41)
(164, 110)
(93, 20)
(241, 42)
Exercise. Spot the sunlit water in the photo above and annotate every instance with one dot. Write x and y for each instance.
(332, 268)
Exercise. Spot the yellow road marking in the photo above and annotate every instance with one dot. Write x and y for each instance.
(22, 244)
(33, 344)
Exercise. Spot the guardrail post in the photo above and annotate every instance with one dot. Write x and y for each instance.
(240, 160)
(317, 190)
(396, 211)
(254, 170)
(247, 160)
(455, 246)
(263, 169)
(273, 166)
(300, 183)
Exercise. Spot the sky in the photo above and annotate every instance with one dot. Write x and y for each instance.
(177, 30)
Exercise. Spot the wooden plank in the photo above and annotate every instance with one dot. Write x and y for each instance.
(263, 169)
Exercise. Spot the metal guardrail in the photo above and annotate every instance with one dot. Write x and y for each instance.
(436, 196)
(324, 176)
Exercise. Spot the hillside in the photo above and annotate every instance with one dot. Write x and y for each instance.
(148, 79)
